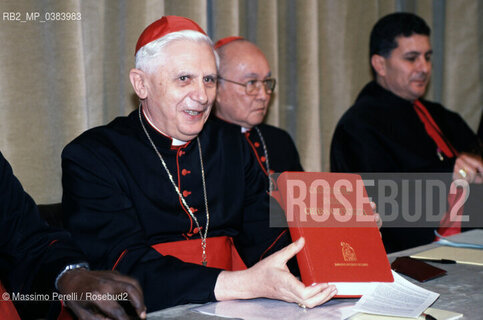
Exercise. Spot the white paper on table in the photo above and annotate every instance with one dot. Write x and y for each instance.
(399, 298)
(267, 309)
(436, 313)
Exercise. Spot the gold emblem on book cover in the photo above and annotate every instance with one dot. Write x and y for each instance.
(348, 252)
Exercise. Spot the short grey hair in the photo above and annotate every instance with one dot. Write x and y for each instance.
(147, 56)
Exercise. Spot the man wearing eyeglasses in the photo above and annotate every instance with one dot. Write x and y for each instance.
(244, 90)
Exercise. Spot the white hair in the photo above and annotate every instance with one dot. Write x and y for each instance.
(147, 57)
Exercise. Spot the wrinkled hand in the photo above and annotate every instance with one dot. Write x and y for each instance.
(82, 281)
(468, 167)
(270, 278)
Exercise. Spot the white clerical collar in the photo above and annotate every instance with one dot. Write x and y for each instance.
(175, 142)
(243, 130)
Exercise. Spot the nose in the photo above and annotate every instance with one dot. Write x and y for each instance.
(262, 93)
(200, 93)
(425, 65)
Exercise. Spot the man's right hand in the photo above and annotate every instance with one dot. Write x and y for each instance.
(82, 281)
(270, 278)
(468, 167)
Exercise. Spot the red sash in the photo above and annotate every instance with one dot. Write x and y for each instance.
(221, 253)
(7, 309)
(447, 226)
(451, 222)
(433, 130)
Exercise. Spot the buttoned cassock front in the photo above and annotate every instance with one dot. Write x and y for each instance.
(282, 153)
(118, 202)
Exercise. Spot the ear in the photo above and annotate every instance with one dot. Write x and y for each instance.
(220, 92)
(217, 98)
(138, 79)
(379, 64)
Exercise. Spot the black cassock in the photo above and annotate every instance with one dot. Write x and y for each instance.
(282, 153)
(119, 202)
(381, 132)
(281, 150)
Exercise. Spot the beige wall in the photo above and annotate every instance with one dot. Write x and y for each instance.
(60, 78)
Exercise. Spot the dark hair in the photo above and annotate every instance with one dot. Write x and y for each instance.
(388, 28)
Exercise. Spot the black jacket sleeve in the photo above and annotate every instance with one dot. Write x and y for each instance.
(32, 253)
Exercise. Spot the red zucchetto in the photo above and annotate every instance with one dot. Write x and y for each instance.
(164, 26)
(226, 40)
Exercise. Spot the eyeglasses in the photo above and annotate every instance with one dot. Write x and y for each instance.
(253, 86)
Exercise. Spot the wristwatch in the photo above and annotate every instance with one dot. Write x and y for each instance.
(80, 265)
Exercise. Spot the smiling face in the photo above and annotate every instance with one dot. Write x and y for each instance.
(178, 96)
(407, 70)
(241, 61)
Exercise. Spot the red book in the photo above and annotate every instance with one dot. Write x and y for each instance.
(343, 245)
